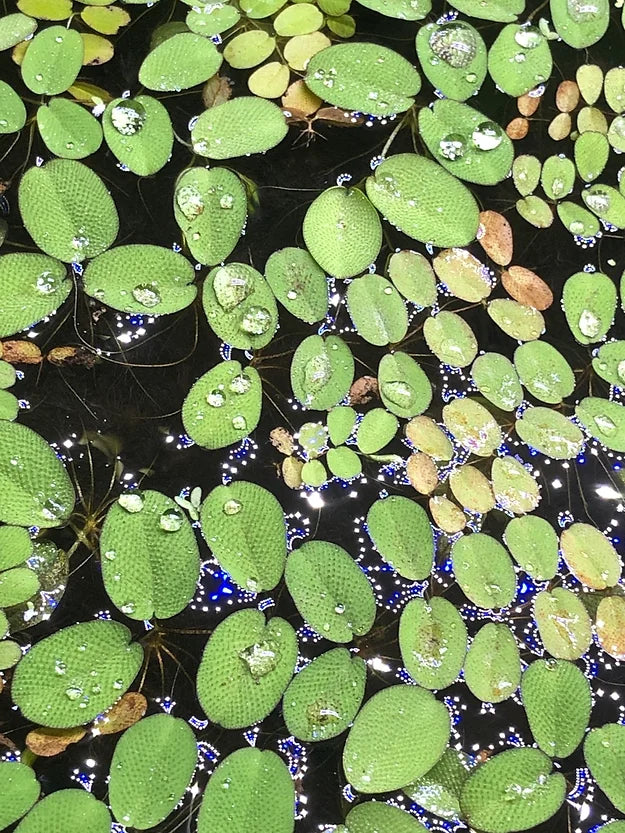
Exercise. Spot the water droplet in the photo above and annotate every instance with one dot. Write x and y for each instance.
(317, 373)
(529, 37)
(39, 77)
(598, 201)
(256, 321)
(171, 520)
(59, 666)
(261, 658)
(110, 555)
(232, 507)
(340, 608)
(131, 501)
(216, 398)
(46, 283)
(190, 201)
(239, 423)
(118, 684)
(227, 201)
(128, 117)
(291, 294)
(146, 295)
(589, 324)
(452, 146)
(129, 607)
(73, 692)
(226, 784)
(400, 393)
(606, 425)
(240, 384)
(487, 136)
(455, 43)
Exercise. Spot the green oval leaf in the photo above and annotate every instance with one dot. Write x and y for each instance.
(534, 546)
(514, 486)
(563, 623)
(67, 811)
(12, 109)
(330, 591)
(343, 463)
(413, 276)
(322, 700)
(376, 757)
(53, 60)
(604, 751)
(322, 371)
(223, 406)
(151, 768)
(484, 570)
(557, 700)
(210, 206)
(438, 791)
(35, 489)
(55, 684)
(590, 556)
(492, 669)
(580, 24)
(578, 220)
(68, 130)
(20, 790)
(405, 389)
(179, 62)
(550, 432)
(513, 790)
(371, 816)
(463, 275)
(341, 421)
(606, 203)
(519, 59)
(400, 531)
(377, 310)
(501, 10)
(591, 155)
(365, 77)
(604, 420)
(544, 371)
(241, 789)
(520, 322)
(425, 202)
(33, 286)
(150, 558)
(465, 142)
(298, 283)
(67, 210)
(244, 526)
(609, 362)
(138, 132)
(342, 231)
(497, 380)
(246, 667)
(432, 641)
(14, 28)
(212, 19)
(452, 55)
(450, 338)
(239, 127)
(141, 279)
(589, 301)
(473, 426)
(376, 429)
(526, 173)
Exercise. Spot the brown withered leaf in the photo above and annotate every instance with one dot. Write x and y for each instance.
(340, 118)
(422, 473)
(560, 127)
(528, 104)
(7, 742)
(496, 239)
(216, 91)
(292, 472)
(526, 287)
(125, 713)
(49, 742)
(21, 352)
(282, 440)
(300, 99)
(567, 96)
(363, 390)
(72, 357)
(518, 129)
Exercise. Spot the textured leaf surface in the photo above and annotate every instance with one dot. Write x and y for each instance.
(246, 667)
(463, 275)
(322, 371)
(376, 429)
(244, 527)
(514, 486)
(12, 108)
(151, 768)
(517, 76)
(519, 321)
(330, 591)
(54, 684)
(363, 76)
(590, 556)
(19, 789)
(34, 486)
(557, 700)
(425, 202)
(67, 210)
(240, 306)
(492, 669)
(241, 789)
(604, 750)
(53, 60)
(465, 142)
(496, 378)
(513, 790)
(472, 489)
(450, 338)
(150, 558)
(544, 371)
(501, 10)
(373, 816)
(400, 531)
(139, 133)
(438, 791)
(609, 362)
(452, 55)
(67, 811)
(550, 432)
(405, 389)
(610, 625)
(589, 300)
(179, 62)
(223, 406)
(483, 570)
(68, 130)
(413, 276)
(604, 420)
(322, 700)
(141, 279)
(376, 757)
(377, 310)
(473, 426)
(342, 231)
(17, 585)
(432, 641)
(563, 623)
(245, 125)
(33, 286)
(14, 28)
(298, 283)
(579, 24)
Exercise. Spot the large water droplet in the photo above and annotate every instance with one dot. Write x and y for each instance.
(148, 296)
(261, 658)
(239, 423)
(232, 507)
(46, 283)
(256, 321)
(452, 146)
(487, 136)
(589, 324)
(455, 43)
(231, 286)
(128, 117)
(400, 393)
(190, 201)
(240, 384)
(73, 692)
(529, 37)
(317, 373)
(171, 520)
(606, 425)
(131, 501)
(216, 398)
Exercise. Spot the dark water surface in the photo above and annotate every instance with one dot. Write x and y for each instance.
(133, 392)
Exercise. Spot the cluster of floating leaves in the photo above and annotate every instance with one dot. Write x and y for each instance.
(466, 455)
